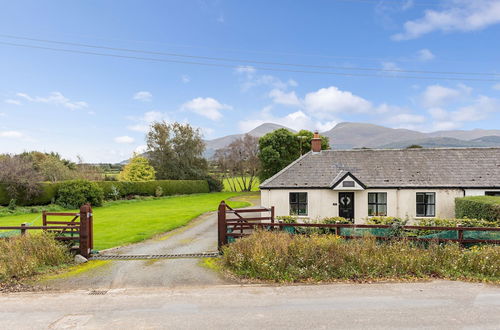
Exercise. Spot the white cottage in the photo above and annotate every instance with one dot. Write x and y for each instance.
(356, 184)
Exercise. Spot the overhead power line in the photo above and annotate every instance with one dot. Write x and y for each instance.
(246, 61)
(346, 74)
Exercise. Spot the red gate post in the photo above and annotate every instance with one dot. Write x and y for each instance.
(222, 228)
(84, 231)
(272, 218)
(44, 218)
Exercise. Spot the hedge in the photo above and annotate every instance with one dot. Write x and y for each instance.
(478, 207)
(147, 188)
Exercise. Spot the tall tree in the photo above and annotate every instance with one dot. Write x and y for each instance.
(176, 151)
(281, 147)
(239, 163)
(138, 169)
(20, 177)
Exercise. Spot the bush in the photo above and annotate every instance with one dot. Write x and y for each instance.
(280, 257)
(438, 222)
(478, 207)
(380, 220)
(215, 184)
(75, 193)
(286, 219)
(30, 254)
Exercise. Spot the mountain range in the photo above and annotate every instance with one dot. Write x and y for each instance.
(362, 135)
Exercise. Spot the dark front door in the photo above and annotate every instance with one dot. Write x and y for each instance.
(346, 205)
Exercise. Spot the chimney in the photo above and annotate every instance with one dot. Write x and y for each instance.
(316, 143)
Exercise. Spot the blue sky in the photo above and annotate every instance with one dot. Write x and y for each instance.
(98, 107)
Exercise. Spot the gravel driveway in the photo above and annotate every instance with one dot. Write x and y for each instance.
(200, 235)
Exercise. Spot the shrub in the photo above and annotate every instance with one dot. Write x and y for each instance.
(159, 191)
(280, 257)
(214, 184)
(114, 192)
(30, 254)
(384, 220)
(478, 207)
(73, 194)
(286, 219)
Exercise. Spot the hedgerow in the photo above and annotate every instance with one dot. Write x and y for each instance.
(117, 189)
(478, 207)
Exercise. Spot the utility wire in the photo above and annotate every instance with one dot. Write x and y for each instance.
(239, 66)
(225, 59)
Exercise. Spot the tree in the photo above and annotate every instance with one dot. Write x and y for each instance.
(176, 151)
(138, 169)
(51, 166)
(239, 163)
(281, 147)
(20, 177)
(414, 146)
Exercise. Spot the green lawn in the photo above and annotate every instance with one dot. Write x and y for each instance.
(122, 222)
(227, 186)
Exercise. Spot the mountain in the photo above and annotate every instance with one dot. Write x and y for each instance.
(358, 135)
(443, 142)
(213, 145)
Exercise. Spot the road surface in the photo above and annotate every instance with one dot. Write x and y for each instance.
(433, 305)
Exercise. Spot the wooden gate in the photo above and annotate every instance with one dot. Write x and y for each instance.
(239, 222)
(78, 232)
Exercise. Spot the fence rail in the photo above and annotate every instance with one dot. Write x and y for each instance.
(80, 232)
(244, 226)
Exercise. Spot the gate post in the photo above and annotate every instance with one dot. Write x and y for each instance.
(85, 230)
(221, 225)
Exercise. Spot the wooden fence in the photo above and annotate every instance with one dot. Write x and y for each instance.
(232, 224)
(78, 230)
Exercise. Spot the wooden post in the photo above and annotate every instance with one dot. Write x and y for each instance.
(84, 231)
(460, 234)
(272, 219)
(222, 228)
(91, 228)
(23, 231)
(44, 218)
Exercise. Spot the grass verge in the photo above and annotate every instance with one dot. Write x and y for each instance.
(281, 257)
(130, 221)
(28, 255)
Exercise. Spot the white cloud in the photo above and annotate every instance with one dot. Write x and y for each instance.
(143, 96)
(425, 55)
(55, 98)
(141, 149)
(437, 95)
(143, 123)
(12, 134)
(390, 66)
(2, 114)
(327, 102)
(12, 101)
(245, 69)
(280, 97)
(438, 113)
(457, 15)
(207, 107)
(185, 78)
(496, 87)
(124, 139)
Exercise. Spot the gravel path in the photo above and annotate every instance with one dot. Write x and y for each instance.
(200, 235)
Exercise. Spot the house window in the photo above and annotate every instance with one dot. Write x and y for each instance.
(426, 204)
(492, 193)
(377, 204)
(298, 203)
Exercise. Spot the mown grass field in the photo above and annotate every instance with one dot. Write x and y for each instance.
(227, 185)
(123, 222)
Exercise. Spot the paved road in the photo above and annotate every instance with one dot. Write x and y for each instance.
(435, 305)
(200, 235)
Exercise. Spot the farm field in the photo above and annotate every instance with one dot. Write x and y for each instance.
(227, 184)
(129, 221)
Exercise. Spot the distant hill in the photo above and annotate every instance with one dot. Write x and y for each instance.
(357, 135)
(213, 145)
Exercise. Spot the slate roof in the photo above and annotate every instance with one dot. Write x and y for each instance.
(394, 168)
